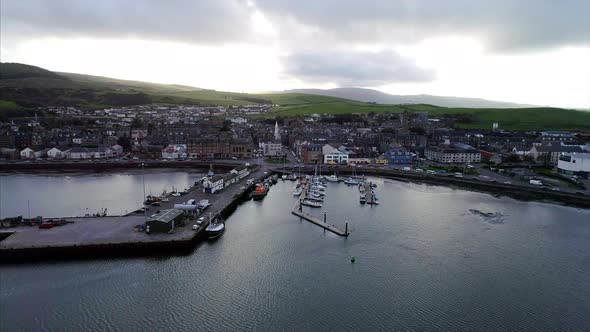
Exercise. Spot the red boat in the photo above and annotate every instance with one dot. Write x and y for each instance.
(260, 191)
(46, 225)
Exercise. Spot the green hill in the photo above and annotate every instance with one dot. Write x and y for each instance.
(23, 87)
(9, 70)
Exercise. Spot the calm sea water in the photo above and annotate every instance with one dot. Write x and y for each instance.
(424, 262)
(76, 194)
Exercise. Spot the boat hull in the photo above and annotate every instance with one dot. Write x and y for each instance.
(215, 231)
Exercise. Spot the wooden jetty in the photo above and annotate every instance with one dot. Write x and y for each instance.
(298, 211)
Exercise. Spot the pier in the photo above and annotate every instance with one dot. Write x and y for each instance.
(298, 211)
(117, 235)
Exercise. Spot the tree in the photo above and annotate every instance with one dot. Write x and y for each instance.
(124, 142)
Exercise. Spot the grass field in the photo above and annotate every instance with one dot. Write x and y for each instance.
(37, 87)
(540, 118)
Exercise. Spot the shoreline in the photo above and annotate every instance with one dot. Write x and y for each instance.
(494, 188)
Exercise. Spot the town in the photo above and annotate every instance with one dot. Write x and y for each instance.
(409, 141)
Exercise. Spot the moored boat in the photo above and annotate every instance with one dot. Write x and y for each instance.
(260, 191)
(351, 181)
(215, 229)
(311, 203)
(332, 178)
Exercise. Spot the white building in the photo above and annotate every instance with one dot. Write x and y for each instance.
(77, 153)
(270, 149)
(241, 172)
(57, 153)
(333, 155)
(27, 153)
(238, 120)
(211, 185)
(457, 153)
(575, 164)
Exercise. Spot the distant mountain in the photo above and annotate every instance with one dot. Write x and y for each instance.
(375, 96)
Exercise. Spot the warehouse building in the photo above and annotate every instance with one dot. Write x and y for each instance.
(164, 221)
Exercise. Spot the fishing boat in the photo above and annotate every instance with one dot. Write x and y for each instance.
(363, 199)
(215, 229)
(260, 191)
(274, 178)
(292, 177)
(311, 203)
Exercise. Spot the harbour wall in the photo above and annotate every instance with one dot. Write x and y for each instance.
(164, 248)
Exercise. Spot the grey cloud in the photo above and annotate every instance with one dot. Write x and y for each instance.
(206, 21)
(502, 25)
(354, 68)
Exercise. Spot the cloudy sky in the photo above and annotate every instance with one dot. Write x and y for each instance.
(527, 51)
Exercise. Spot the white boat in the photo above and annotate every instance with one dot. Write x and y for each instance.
(311, 203)
(363, 199)
(316, 188)
(351, 181)
(284, 177)
(315, 193)
(332, 178)
(297, 191)
(214, 230)
(315, 199)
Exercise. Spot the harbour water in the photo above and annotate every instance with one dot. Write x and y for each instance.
(76, 194)
(424, 261)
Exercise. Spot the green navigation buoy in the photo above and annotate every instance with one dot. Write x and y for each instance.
(352, 259)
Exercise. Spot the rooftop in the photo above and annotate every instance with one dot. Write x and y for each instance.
(166, 216)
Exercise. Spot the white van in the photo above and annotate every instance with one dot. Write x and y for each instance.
(407, 169)
(458, 175)
(536, 182)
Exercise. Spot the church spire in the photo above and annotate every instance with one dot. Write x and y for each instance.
(277, 132)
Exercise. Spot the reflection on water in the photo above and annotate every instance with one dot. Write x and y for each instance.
(424, 262)
(61, 195)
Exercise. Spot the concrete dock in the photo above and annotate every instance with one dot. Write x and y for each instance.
(118, 233)
(298, 211)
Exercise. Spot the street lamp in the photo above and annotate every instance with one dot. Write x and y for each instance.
(143, 181)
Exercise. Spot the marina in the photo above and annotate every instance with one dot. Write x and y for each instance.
(315, 201)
